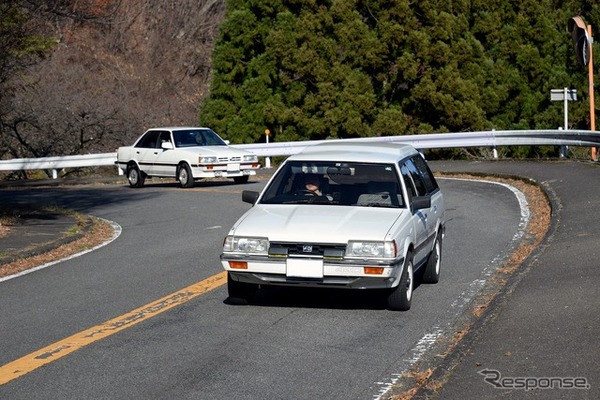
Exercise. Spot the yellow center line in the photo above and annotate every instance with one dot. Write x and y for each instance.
(64, 347)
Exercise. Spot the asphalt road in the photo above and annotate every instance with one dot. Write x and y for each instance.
(290, 344)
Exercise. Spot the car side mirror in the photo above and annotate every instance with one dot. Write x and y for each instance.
(420, 202)
(249, 196)
(166, 145)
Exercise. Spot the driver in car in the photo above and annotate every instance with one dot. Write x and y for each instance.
(312, 184)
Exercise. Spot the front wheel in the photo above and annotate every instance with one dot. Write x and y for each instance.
(184, 176)
(239, 292)
(135, 177)
(400, 298)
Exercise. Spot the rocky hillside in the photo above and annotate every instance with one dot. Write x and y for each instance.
(118, 67)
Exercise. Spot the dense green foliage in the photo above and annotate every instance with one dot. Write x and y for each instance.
(353, 68)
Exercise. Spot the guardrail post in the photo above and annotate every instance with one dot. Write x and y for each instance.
(54, 174)
(564, 150)
(495, 149)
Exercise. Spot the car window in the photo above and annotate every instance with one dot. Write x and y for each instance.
(149, 140)
(418, 177)
(335, 183)
(165, 136)
(197, 137)
(426, 174)
(408, 182)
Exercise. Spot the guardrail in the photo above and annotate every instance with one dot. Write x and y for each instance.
(450, 140)
(493, 139)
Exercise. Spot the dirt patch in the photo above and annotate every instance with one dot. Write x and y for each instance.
(97, 232)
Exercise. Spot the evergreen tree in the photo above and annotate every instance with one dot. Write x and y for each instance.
(354, 68)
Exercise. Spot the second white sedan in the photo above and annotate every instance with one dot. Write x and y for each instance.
(186, 154)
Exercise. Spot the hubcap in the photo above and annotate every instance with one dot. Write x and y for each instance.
(133, 177)
(409, 280)
(437, 257)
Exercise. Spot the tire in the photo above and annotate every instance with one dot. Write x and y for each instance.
(434, 262)
(135, 177)
(239, 292)
(184, 176)
(241, 179)
(399, 298)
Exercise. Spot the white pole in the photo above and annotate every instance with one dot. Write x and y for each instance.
(564, 149)
(566, 108)
(267, 159)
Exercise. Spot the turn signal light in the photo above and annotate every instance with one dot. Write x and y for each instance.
(238, 264)
(373, 270)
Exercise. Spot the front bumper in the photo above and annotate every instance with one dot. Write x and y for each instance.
(223, 170)
(313, 272)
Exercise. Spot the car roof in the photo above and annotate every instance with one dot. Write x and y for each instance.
(176, 128)
(356, 151)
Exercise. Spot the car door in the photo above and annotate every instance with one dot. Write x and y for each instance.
(424, 219)
(432, 190)
(145, 151)
(164, 162)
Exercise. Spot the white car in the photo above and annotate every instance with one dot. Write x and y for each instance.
(374, 216)
(186, 154)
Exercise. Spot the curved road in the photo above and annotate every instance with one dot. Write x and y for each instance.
(290, 344)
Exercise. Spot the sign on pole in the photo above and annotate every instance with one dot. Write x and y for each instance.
(561, 94)
(565, 95)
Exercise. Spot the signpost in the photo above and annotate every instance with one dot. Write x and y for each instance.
(565, 95)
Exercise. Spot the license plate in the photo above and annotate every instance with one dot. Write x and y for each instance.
(299, 268)
(233, 167)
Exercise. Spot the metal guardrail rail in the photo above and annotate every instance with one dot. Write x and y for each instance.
(493, 139)
(450, 140)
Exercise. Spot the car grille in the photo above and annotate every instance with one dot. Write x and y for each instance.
(306, 250)
(230, 159)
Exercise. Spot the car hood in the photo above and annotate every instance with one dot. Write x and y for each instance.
(220, 151)
(316, 223)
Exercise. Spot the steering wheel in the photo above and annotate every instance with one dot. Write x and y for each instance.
(304, 192)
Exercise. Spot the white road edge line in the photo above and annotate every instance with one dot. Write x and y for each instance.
(429, 338)
(117, 232)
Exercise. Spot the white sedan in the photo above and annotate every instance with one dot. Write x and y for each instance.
(186, 154)
(354, 215)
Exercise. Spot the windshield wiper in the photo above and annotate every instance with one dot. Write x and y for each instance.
(383, 205)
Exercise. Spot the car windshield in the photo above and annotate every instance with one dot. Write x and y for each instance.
(197, 137)
(335, 183)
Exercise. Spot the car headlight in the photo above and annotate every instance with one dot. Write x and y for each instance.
(208, 160)
(250, 158)
(254, 245)
(371, 249)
